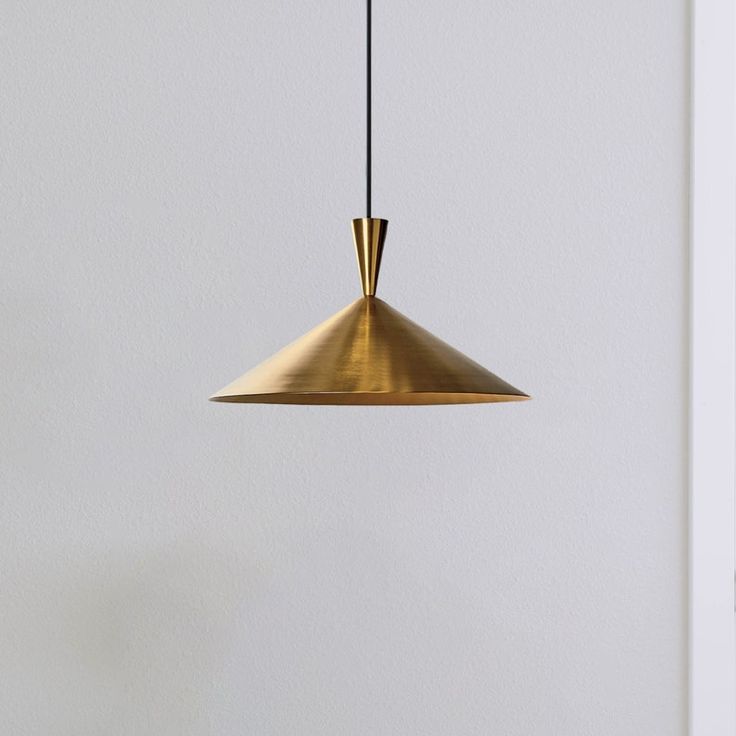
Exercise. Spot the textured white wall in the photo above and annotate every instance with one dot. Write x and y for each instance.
(177, 183)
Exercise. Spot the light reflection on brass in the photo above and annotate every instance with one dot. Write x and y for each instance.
(368, 353)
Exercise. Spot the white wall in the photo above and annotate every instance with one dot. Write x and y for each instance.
(177, 183)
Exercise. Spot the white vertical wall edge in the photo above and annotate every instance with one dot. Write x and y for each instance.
(712, 365)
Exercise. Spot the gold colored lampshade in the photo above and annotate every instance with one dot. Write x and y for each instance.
(369, 354)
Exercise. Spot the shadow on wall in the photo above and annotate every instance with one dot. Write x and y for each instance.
(153, 634)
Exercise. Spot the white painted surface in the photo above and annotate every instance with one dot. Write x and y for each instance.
(178, 181)
(713, 332)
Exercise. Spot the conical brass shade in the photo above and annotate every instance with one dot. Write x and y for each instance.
(368, 353)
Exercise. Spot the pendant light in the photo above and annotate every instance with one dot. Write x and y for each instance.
(368, 353)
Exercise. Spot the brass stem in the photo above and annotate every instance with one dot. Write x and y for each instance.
(369, 233)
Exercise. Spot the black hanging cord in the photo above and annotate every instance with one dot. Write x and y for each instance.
(368, 110)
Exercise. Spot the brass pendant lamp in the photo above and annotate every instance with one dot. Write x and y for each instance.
(368, 353)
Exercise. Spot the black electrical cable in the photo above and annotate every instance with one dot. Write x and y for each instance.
(368, 110)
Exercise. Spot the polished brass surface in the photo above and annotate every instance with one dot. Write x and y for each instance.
(369, 234)
(368, 353)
